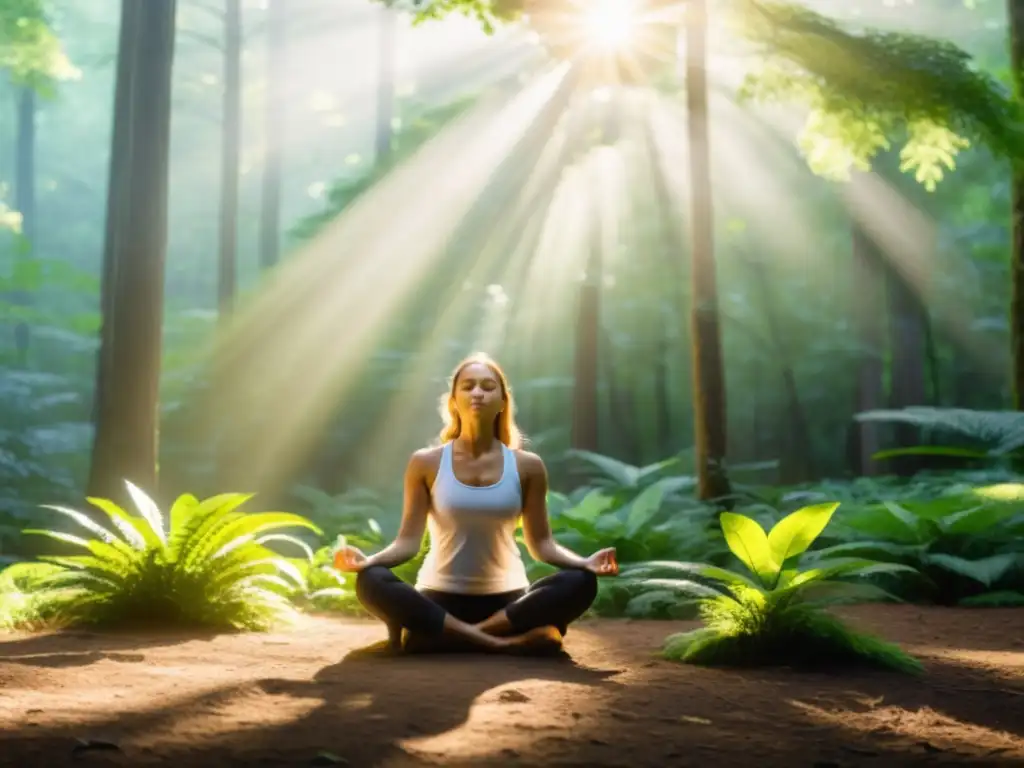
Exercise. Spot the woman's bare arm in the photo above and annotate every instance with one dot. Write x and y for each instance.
(415, 506)
(540, 542)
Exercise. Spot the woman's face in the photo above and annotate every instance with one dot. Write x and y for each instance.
(478, 393)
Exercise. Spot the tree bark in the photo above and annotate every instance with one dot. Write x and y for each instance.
(231, 139)
(585, 369)
(273, 122)
(25, 169)
(1015, 13)
(388, 29)
(868, 317)
(125, 444)
(709, 416)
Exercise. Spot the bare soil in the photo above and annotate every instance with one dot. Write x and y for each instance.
(303, 698)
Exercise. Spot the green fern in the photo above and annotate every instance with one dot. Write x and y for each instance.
(208, 566)
(996, 433)
(776, 615)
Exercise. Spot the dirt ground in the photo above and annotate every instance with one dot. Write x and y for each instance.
(302, 698)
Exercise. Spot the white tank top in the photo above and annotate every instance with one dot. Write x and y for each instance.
(473, 548)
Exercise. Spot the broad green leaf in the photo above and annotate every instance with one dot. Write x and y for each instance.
(794, 533)
(971, 522)
(986, 570)
(912, 522)
(643, 509)
(852, 567)
(622, 474)
(869, 550)
(748, 541)
(594, 505)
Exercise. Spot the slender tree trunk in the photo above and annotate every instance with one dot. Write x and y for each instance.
(674, 245)
(1015, 12)
(585, 370)
(868, 318)
(797, 463)
(907, 344)
(25, 199)
(275, 105)
(710, 423)
(231, 139)
(125, 445)
(388, 28)
(25, 170)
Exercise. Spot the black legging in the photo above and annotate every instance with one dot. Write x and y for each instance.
(555, 600)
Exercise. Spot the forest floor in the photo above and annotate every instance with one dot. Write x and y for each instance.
(303, 698)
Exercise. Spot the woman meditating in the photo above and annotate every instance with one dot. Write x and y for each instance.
(472, 591)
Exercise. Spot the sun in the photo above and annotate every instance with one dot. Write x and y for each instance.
(609, 24)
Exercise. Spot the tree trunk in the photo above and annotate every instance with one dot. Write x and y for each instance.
(868, 313)
(231, 139)
(585, 369)
(274, 105)
(25, 170)
(1015, 12)
(125, 444)
(907, 338)
(116, 185)
(797, 462)
(709, 414)
(25, 200)
(388, 21)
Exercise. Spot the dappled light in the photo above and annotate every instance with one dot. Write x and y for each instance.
(731, 471)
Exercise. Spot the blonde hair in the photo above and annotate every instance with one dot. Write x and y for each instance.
(505, 428)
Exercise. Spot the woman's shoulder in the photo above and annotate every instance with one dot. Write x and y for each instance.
(527, 461)
(426, 457)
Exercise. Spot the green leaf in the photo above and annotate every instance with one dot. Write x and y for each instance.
(868, 550)
(986, 570)
(852, 567)
(979, 520)
(748, 541)
(794, 533)
(692, 588)
(1003, 598)
(643, 509)
(698, 569)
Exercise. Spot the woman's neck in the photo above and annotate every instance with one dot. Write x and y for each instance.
(476, 439)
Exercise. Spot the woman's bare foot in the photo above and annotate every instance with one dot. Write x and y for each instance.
(539, 641)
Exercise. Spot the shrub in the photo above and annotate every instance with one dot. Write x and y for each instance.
(778, 615)
(207, 566)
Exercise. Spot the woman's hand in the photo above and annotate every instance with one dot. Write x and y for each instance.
(603, 562)
(349, 560)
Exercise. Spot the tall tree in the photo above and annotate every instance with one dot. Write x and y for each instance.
(387, 25)
(1015, 11)
(125, 444)
(25, 162)
(273, 130)
(710, 426)
(231, 140)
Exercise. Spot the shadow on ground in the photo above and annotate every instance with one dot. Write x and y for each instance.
(615, 705)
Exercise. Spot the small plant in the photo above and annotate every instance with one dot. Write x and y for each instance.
(208, 566)
(777, 616)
